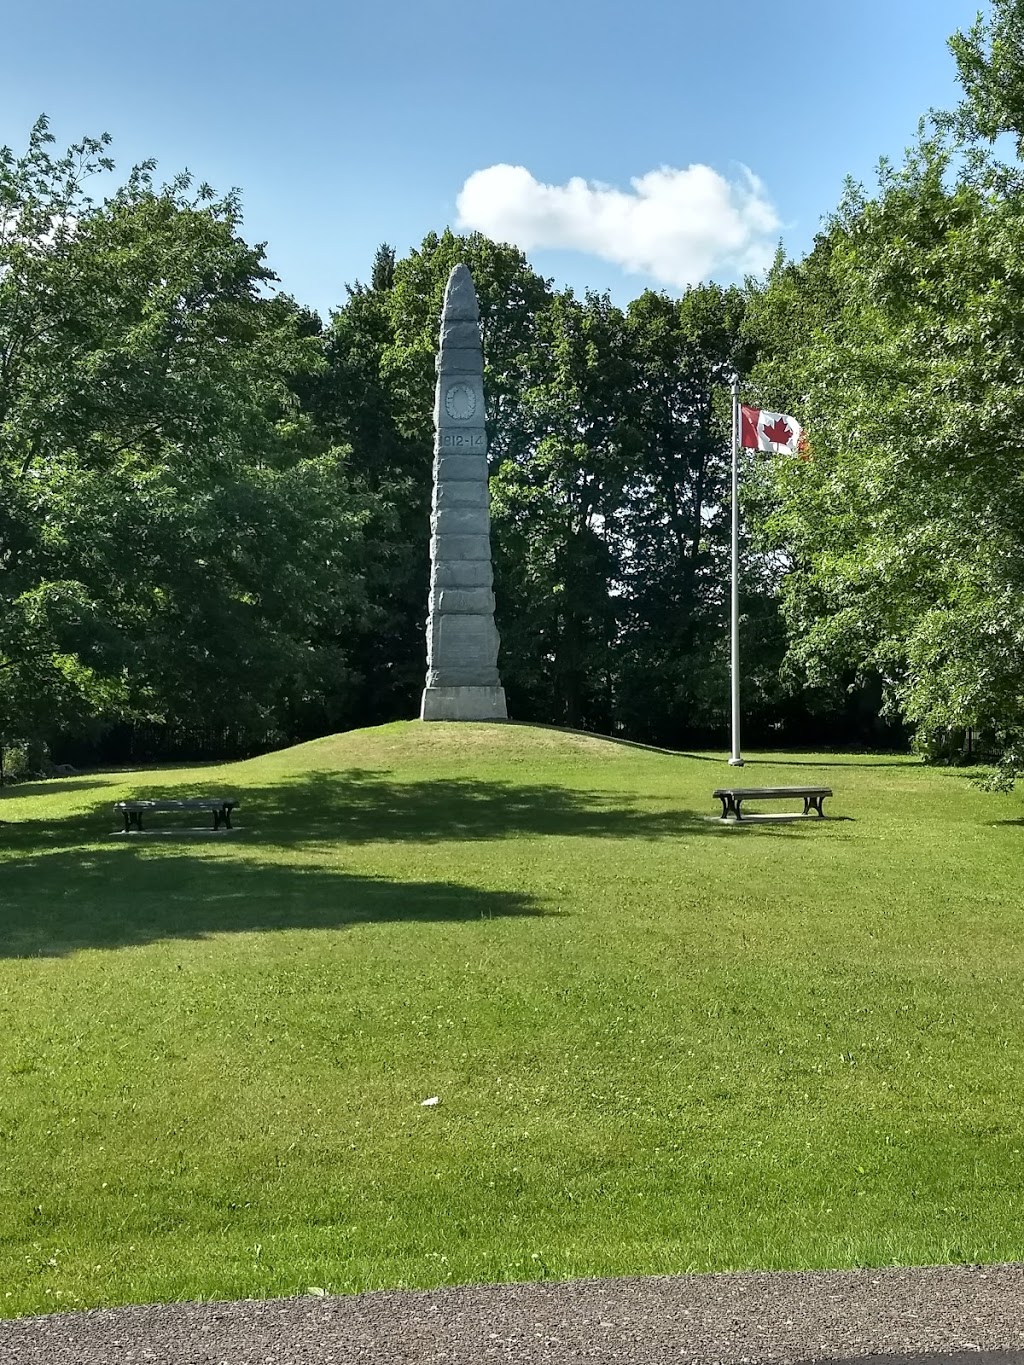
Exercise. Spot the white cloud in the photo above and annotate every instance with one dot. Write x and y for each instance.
(678, 226)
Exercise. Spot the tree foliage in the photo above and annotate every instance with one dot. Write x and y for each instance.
(899, 339)
(376, 394)
(214, 505)
(608, 453)
(170, 524)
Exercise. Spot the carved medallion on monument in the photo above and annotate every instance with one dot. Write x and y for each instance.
(460, 402)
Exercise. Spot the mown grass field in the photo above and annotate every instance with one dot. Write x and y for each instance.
(660, 1045)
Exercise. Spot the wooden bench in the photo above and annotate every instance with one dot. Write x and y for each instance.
(732, 799)
(133, 811)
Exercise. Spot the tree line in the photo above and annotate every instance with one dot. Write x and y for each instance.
(214, 504)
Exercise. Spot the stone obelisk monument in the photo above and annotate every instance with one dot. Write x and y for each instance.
(462, 642)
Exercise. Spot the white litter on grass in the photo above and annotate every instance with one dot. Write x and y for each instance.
(315, 1289)
(434, 1099)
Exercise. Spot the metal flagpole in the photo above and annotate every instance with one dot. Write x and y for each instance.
(736, 760)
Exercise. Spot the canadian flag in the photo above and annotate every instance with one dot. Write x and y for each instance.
(760, 430)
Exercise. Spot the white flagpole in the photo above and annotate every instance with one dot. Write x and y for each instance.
(736, 760)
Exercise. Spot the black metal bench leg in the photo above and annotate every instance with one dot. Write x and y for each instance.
(227, 817)
(726, 804)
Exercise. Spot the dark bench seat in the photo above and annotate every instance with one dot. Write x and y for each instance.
(133, 811)
(732, 798)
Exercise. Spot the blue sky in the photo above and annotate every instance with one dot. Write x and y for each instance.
(609, 140)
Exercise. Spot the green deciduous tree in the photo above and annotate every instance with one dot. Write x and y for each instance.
(991, 73)
(899, 339)
(557, 493)
(608, 444)
(674, 519)
(170, 523)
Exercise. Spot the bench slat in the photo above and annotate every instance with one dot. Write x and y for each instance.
(752, 793)
(199, 803)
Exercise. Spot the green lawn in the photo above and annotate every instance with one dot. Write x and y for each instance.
(660, 1044)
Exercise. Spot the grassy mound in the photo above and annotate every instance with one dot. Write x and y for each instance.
(659, 1044)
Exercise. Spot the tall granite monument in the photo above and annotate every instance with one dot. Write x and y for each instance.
(462, 642)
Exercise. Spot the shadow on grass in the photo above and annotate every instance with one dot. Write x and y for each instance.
(129, 895)
(78, 882)
(47, 786)
(358, 806)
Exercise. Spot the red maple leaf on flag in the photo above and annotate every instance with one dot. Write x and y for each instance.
(779, 433)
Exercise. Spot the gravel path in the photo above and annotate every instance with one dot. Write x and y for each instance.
(747, 1316)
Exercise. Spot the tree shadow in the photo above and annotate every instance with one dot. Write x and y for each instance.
(46, 786)
(77, 882)
(49, 835)
(359, 806)
(61, 901)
